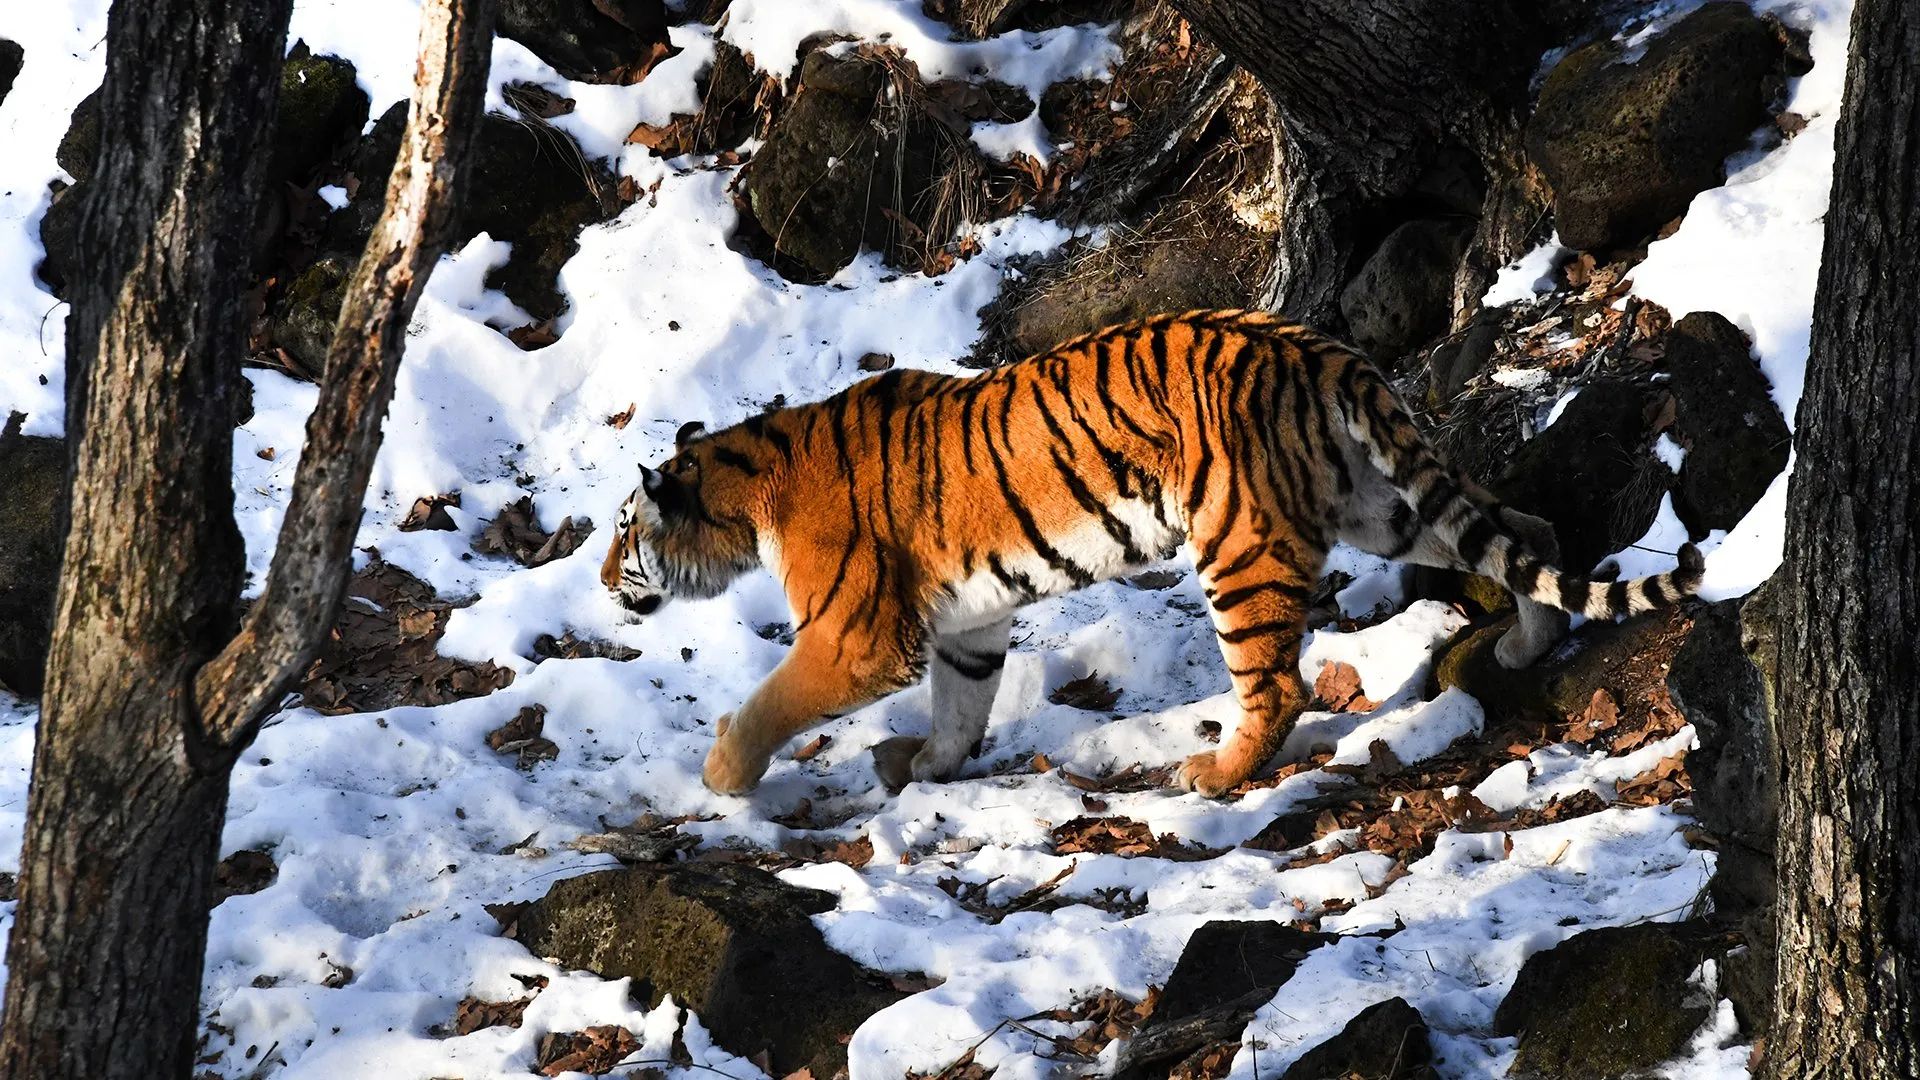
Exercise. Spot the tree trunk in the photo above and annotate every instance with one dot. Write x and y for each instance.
(1384, 106)
(136, 740)
(1848, 682)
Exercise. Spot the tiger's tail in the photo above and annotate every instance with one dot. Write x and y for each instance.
(1438, 498)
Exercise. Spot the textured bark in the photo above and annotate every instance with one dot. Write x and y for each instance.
(130, 777)
(1375, 96)
(1848, 680)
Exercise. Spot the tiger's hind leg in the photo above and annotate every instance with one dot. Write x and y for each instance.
(1258, 596)
(964, 677)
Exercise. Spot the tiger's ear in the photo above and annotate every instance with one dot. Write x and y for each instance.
(691, 431)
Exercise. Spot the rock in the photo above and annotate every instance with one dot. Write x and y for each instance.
(11, 57)
(1747, 970)
(1626, 145)
(837, 160)
(32, 504)
(370, 165)
(321, 107)
(1737, 441)
(1453, 364)
(79, 148)
(1617, 657)
(1226, 959)
(1387, 1041)
(594, 41)
(729, 941)
(1715, 684)
(1606, 1003)
(532, 186)
(308, 313)
(60, 236)
(1403, 294)
(1227, 970)
(1592, 474)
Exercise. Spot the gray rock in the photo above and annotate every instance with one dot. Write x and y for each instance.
(60, 236)
(79, 148)
(32, 506)
(1592, 474)
(1403, 294)
(1737, 441)
(836, 160)
(733, 943)
(1626, 145)
(11, 57)
(608, 41)
(1716, 685)
(1606, 1003)
(308, 313)
(1387, 1041)
(1225, 959)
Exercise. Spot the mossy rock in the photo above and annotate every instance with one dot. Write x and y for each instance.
(321, 107)
(310, 311)
(1626, 145)
(1608, 1003)
(1599, 655)
(731, 942)
(79, 148)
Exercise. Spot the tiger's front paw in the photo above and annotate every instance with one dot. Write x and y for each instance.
(1204, 773)
(731, 769)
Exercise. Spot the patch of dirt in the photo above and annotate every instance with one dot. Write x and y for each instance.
(516, 532)
(381, 652)
(242, 873)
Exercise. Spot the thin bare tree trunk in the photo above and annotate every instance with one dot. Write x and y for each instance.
(137, 735)
(1848, 681)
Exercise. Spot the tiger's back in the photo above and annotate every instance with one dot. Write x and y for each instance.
(909, 516)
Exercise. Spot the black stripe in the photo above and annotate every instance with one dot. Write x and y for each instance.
(1233, 598)
(1650, 591)
(1473, 542)
(1573, 593)
(1015, 580)
(1076, 574)
(1276, 630)
(1617, 598)
(736, 459)
(975, 666)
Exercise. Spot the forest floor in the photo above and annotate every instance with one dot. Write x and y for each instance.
(391, 827)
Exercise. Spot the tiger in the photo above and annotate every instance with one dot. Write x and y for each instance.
(911, 515)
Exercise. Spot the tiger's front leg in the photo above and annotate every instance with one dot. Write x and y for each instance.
(824, 676)
(1259, 606)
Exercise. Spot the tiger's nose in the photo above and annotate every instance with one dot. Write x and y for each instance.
(646, 605)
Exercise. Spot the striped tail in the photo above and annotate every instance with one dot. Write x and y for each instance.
(1474, 529)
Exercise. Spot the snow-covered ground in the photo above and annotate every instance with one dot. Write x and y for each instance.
(387, 827)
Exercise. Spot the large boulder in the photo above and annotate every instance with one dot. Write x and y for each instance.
(1592, 474)
(309, 311)
(32, 502)
(840, 157)
(1608, 1003)
(532, 186)
(11, 57)
(1627, 143)
(731, 942)
(1403, 294)
(1737, 441)
(1386, 1041)
(595, 41)
(321, 108)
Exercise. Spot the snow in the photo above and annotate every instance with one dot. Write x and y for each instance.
(388, 827)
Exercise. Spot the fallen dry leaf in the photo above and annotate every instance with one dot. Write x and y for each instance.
(473, 1014)
(813, 748)
(594, 1051)
(619, 420)
(1089, 692)
(1601, 716)
(1339, 686)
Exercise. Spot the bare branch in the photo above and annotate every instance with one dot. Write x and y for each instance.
(312, 563)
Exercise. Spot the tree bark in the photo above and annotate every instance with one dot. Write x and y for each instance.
(136, 740)
(1375, 97)
(1848, 681)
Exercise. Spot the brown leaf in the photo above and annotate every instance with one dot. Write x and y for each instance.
(526, 724)
(534, 100)
(619, 420)
(1339, 686)
(594, 1051)
(265, 453)
(1601, 715)
(508, 915)
(242, 873)
(812, 749)
(473, 1014)
(1089, 692)
(429, 512)
(854, 853)
(1041, 764)
(534, 335)
(876, 361)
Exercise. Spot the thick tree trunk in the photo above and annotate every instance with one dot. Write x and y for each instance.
(144, 711)
(1384, 105)
(1849, 617)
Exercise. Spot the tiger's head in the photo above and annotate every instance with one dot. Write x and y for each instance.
(685, 530)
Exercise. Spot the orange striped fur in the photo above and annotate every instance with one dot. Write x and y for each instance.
(909, 517)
